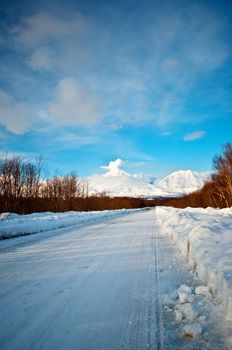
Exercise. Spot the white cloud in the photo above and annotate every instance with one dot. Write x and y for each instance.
(207, 49)
(166, 134)
(114, 168)
(114, 165)
(76, 105)
(14, 116)
(143, 75)
(40, 28)
(43, 58)
(170, 64)
(58, 43)
(69, 140)
(194, 136)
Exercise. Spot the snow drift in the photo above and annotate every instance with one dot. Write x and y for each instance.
(13, 225)
(204, 237)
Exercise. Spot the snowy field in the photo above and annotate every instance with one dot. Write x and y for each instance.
(13, 225)
(204, 237)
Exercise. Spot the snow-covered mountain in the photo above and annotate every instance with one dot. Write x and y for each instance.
(182, 181)
(117, 182)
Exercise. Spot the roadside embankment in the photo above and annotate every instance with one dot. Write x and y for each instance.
(204, 237)
(14, 225)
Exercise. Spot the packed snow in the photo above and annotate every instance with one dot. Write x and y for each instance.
(185, 311)
(118, 182)
(204, 237)
(13, 225)
(117, 284)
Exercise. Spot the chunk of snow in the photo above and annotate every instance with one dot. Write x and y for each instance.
(185, 294)
(178, 315)
(186, 310)
(202, 290)
(192, 330)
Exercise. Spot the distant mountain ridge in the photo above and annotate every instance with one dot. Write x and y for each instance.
(117, 182)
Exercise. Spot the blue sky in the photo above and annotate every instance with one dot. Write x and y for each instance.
(85, 82)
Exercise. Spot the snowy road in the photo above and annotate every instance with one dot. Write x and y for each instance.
(96, 287)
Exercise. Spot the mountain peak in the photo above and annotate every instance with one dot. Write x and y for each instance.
(185, 181)
(117, 182)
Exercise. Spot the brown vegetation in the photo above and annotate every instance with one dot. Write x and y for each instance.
(22, 191)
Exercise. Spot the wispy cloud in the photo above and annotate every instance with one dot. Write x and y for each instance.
(14, 116)
(136, 73)
(71, 140)
(75, 105)
(42, 59)
(194, 136)
(36, 30)
(61, 43)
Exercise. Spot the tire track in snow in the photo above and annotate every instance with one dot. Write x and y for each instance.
(158, 313)
(132, 335)
(145, 330)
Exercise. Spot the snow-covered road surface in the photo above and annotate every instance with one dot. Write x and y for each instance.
(103, 286)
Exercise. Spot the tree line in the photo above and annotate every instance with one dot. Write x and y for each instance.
(23, 190)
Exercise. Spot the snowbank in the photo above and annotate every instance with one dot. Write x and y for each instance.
(204, 237)
(13, 225)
